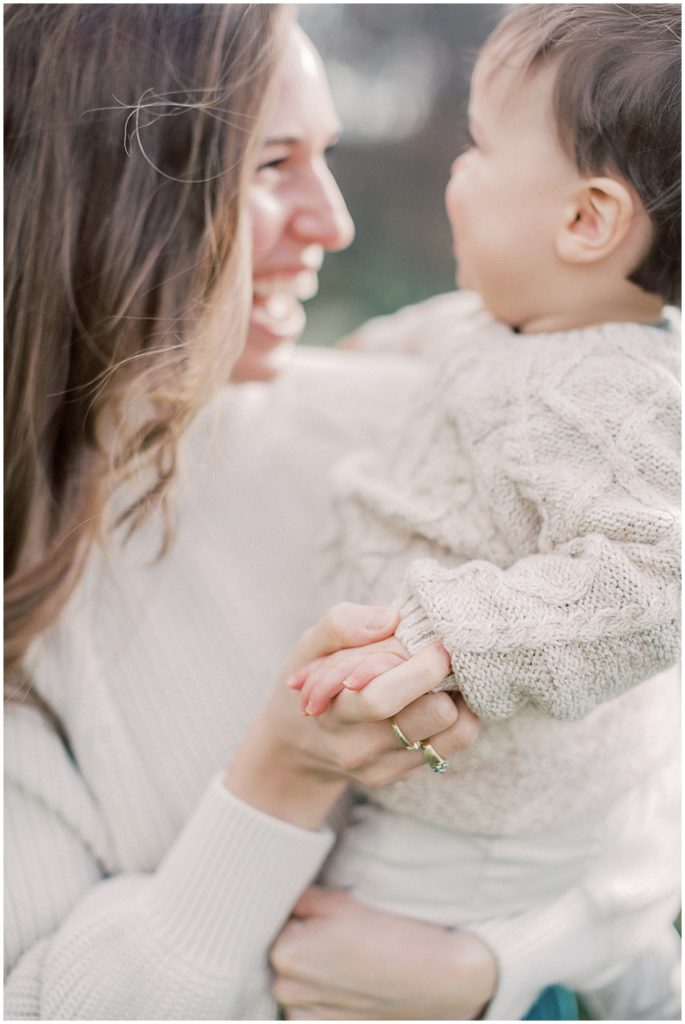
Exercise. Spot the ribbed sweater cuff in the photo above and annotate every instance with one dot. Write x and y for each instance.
(230, 880)
(415, 629)
(549, 945)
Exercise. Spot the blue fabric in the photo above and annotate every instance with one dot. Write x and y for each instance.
(555, 1003)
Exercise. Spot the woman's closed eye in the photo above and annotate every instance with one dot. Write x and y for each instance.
(274, 163)
(280, 161)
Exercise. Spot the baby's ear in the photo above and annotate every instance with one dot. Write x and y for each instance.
(597, 221)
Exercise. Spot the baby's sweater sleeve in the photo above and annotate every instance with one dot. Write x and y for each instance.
(592, 608)
(422, 328)
(187, 939)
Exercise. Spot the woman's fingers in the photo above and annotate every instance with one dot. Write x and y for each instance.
(448, 726)
(441, 716)
(344, 625)
(464, 731)
(349, 961)
(427, 716)
(385, 696)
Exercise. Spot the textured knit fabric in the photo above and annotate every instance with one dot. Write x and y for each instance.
(525, 510)
(136, 885)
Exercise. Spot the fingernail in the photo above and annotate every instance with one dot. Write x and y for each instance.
(379, 618)
(347, 683)
(309, 709)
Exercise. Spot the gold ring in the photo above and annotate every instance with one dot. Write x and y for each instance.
(433, 760)
(403, 739)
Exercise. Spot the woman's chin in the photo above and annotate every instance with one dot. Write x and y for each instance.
(260, 361)
(276, 324)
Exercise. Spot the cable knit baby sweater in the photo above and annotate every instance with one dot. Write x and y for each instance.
(526, 512)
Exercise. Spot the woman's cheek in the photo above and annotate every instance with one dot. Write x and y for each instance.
(266, 220)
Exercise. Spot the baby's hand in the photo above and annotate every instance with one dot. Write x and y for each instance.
(352, 669)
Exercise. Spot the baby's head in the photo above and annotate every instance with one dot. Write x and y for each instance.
(566, 207)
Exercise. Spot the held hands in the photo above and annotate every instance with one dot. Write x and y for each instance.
(294, 767)
(354, 669)
(323, 679)
(337, 959)
(354, 734)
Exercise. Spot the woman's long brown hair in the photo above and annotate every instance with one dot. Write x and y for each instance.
(129, 133)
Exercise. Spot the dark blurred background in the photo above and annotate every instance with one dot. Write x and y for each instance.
(399, 76)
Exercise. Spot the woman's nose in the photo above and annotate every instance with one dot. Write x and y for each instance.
(323, 216)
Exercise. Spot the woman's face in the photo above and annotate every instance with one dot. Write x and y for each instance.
(296, 209)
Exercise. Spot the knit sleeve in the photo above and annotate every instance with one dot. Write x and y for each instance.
(593, 608)
(187, 940)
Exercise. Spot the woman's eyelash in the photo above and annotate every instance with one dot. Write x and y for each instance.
(276, 162)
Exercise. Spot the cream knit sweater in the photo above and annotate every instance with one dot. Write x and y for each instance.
(525, 509)
(136, 885)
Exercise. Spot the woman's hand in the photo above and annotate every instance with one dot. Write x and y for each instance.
(295, 767)
(337, 959)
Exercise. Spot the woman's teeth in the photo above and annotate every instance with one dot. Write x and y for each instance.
(277, 302)
(281, 314)
(302, 286)
(278, 306)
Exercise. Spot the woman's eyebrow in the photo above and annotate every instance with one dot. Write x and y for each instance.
(286, 140)
(293, 140)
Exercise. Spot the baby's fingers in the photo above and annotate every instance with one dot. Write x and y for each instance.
(321, 687)
(329, 680)
(297, 679)
(386, 695)
(369, 668)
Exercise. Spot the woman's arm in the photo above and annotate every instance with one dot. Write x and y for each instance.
(188, 938)
(87, 939)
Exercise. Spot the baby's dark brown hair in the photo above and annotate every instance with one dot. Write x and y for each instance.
(617, 105)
